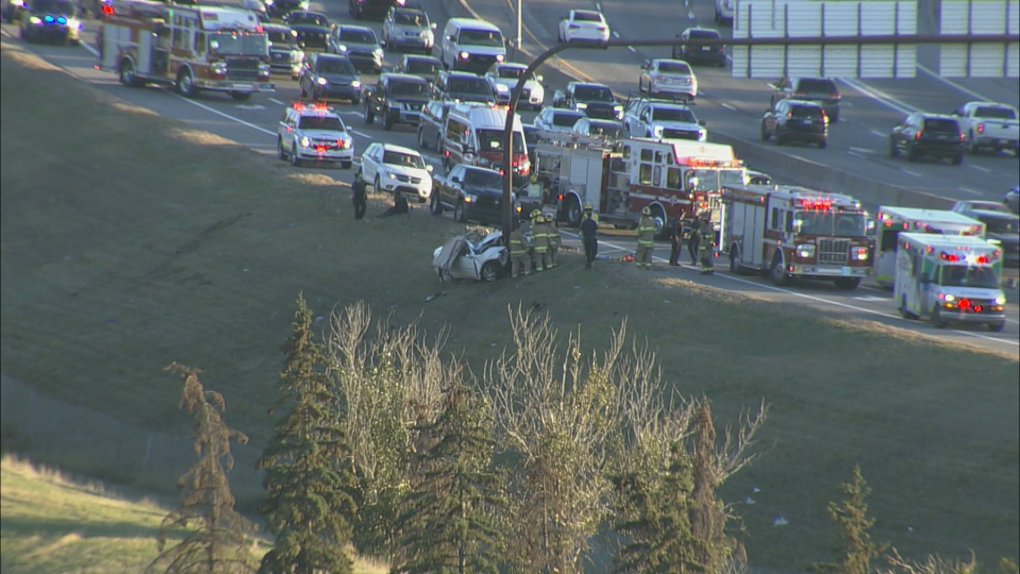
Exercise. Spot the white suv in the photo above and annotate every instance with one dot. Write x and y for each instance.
(314, 133)
(395, 169)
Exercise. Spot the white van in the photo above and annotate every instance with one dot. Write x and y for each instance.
(474, 135)
(472, 45)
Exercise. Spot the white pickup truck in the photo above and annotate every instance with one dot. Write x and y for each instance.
(990, 126)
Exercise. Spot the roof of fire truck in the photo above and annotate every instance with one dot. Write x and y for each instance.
(213, 17)
(686, 152)
(807, 198)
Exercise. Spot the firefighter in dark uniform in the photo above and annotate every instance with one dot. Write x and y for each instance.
(676, 234)
(360, 198)
(706, 244)
(693, 236)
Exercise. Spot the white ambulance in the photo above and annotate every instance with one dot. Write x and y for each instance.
(949, 279)
(893, 220)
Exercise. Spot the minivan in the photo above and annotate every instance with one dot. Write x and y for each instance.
(471, 45)
(474, 135)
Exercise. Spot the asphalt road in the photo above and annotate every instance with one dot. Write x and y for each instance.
(858, 143)
(253, 124)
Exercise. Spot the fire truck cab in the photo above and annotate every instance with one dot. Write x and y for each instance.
(893, 220)
(193, 48)
(786, 232)
(671, 177)
(949, 279)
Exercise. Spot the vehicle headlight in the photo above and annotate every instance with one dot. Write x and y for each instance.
(35, 20)
(861, 253)
(269, 3)
(806, 250)
(500, 57)
(305, 142)
(502, 88)
(464, 55)
(378, 52)
(702, 135)
(265, 70)
(470, 198)
(17, 3)
(393, 176)
(1000, 300)
(296, 56)
(74, 23)
(581, 106)
(427, 34)
(303, 6)
(355, 84)
(218, 68)
(322, 81)
(657, 131)
(947, 297)
(342, 48)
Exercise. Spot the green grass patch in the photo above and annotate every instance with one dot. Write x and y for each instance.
(131, 241)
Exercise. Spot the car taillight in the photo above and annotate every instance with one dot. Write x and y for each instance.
(835, 96)
(981, 128)
(919, 135)
(963, 138)
(789, 115)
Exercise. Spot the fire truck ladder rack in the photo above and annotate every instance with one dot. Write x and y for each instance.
(577, 141)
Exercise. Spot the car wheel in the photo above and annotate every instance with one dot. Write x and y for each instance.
(295, 159)
(847, 283)
(996, 327)
(937, 320)
(127, 74)
(346, 164)
(422, 144)
(458, 212)
(377, 186)
(764, 134)
(490, 271)
(661, 227)
(904, 311)
(387, 122)
(912, 154)
(892, 148)
(369, 116)
(778, 271)
(957, 159)
(436, 207)
(822, 144)
(779, 139)
(972, 147)
(280, 153)
(186, 84)
(355, 100)
(573, 212)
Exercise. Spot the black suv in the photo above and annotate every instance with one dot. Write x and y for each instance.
(473, 193)
(928, 135)
(50, 21)
(280, 8)
(425, 67)
(463, 87)
(312, 39)
(397, 98)
(820, 90)
(694, 53)
(795, 120)
(371, 8)
(330, 77)
(594, 100)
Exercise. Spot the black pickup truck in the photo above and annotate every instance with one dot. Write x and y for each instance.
(473, 193)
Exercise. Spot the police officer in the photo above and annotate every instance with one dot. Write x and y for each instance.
(519, 256)
(360, 198)
(589, 235)
(706, 244)
(539, 241)
(552, 236)
(645, 239)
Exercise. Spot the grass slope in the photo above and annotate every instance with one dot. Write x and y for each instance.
(54, 525)
(130, 242)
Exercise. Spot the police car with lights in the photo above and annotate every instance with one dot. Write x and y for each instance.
(314, 133)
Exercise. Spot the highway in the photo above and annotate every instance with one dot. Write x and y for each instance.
(253, 124)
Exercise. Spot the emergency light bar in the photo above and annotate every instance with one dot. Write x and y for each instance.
(302, 107)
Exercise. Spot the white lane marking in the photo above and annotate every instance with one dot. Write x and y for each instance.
(879, 96)
(878, 133)
(858, 155)
(863, 150)
(949, 82)
(728, 106)
(631, 48)
(913, 173)
(616, 35)
(970, 191)
(277, 102)
(359, 114)
(251, 107)
(228, 116)
(816, 299)
(357, 133)
(871, 298)
(979, 168)
(94, 51)
(598, 5)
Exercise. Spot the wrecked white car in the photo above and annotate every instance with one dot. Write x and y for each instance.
(472, 257)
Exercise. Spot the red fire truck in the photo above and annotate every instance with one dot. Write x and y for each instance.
(786, 232)
(194, 48)
(672, 177)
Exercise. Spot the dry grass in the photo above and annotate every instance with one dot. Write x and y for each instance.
(116, 263)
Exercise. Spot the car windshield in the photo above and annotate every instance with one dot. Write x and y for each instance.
(408, 89)
(407, 18)
(593, 94)
(580, 16)
(674, 68)
(715, 179)
(480, 38)
(610, 130)
(492, 140)
(832, 224)
(470, 86)
(703, 35)
(996, 113)
(239, 44)
(673, 115)
(321, 123)
(983, 206)
(358, 36)
(999, 225)
(281, 37)
(982, 276)
(335, 66)
(53, 7)
(531, 135)
(312, 40)
(483, 178)
(403, 159)
(509, 72)
(421, 67)
(307, 18)
(817, 87)
(806, 112)
(565, 120)
(942, 126)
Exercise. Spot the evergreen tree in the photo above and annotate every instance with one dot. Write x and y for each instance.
(219, 545)
(448, 518)
(309, 475)
(852, 516)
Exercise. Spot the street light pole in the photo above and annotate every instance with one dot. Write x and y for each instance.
(520, 5)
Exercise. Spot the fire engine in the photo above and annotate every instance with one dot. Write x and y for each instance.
(786, 232)
(194, 48)
(672, 177)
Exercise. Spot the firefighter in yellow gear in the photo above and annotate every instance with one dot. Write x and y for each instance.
(540, 241)
(645, 239)
(519, 256)
(552, 236)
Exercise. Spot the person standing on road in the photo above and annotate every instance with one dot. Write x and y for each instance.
(693, 236)
(519, 253)
(360, 198)
(589, 236)
(552, 235)
(539, 241)
(676, 234)
(706, 244)
(645, 239)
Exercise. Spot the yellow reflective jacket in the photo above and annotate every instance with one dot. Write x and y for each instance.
(517, 244)
(646, 231)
